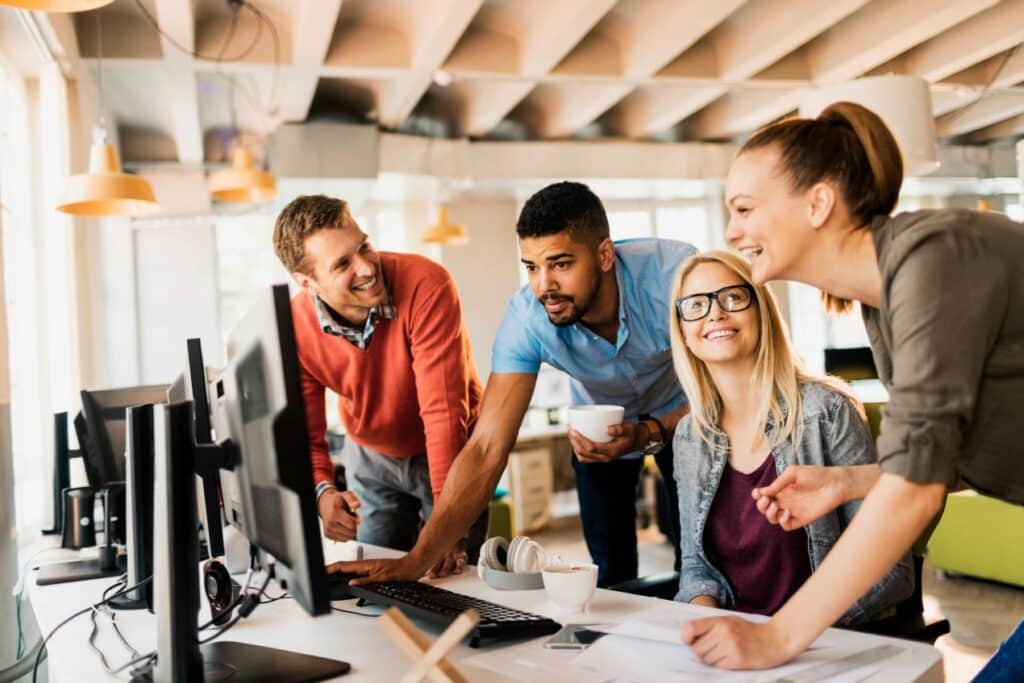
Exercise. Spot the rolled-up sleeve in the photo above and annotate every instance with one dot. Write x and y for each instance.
(943, 304)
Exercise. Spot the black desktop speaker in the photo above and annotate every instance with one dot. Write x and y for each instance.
(78, 526)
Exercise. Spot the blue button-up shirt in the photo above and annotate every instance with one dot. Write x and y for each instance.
(636, 372)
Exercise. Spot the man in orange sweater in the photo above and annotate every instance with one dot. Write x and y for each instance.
(383, 331)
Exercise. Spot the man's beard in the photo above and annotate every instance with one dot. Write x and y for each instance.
(577, 312)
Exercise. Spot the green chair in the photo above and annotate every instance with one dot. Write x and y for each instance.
(980, 537)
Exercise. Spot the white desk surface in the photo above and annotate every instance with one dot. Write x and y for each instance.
(358, 639)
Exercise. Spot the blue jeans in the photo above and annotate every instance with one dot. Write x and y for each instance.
(396, 498)
(1007, 664)
(607, 495)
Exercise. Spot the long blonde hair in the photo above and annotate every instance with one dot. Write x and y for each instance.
(777, 369)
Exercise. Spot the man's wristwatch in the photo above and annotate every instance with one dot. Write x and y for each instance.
(658, 436)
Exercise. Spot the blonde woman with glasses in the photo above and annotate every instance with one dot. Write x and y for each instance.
(753, 413)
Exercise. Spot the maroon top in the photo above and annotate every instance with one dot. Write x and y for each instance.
(763, 564)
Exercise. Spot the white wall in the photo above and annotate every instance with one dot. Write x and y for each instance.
(486, 270)
(176, 290)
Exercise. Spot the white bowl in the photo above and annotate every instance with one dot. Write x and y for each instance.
(593, 421)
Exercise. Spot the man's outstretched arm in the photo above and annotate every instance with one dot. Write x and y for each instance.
(469, 485)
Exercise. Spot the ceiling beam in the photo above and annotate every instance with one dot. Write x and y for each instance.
(559, 111)
(1013, 127)
(993, 31)
(765, 31)
(867, 38)
(544, 41)
(750, 40)
(742, 109)
(881, 31)
(313, 29)
(989, 110)
(435, 28)
(649, 36)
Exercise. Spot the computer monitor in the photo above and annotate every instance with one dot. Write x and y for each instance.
(100, 427)
(191, 385)
(853, 363)
(104, 415)
(139, 487)
(260, 427)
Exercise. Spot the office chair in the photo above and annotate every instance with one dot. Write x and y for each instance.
(664, 585)
(908, 622)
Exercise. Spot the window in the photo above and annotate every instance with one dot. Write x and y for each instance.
(686, 224)
(686, 221)
(629, 224)
(29, 429)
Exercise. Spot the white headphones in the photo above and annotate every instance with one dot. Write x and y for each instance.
(522, 555)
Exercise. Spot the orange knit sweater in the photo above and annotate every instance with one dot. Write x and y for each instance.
(414, 389)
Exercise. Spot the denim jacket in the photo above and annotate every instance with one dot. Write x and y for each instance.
(833, 434)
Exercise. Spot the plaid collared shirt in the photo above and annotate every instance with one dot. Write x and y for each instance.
(359, 337)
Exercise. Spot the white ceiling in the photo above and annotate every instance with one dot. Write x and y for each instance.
(544, 69)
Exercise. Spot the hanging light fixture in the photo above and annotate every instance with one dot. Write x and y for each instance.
(444, 231)
(59, 6)
(105, 190)
(903, 102)
(243, 182)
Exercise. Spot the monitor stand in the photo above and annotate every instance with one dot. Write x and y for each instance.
(176, 577)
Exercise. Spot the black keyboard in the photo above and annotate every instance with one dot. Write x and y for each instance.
(441, 606)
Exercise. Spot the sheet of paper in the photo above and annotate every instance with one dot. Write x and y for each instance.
(662, 624)
(623, 659)
(531, 661)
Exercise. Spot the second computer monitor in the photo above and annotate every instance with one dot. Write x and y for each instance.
(192, 386)
(259, 415)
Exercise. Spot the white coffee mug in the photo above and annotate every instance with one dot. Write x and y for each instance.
(593, 421)
(570, 586)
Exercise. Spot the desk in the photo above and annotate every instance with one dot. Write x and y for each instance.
(357, 639)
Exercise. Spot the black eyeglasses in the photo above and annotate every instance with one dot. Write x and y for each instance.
(732, 299)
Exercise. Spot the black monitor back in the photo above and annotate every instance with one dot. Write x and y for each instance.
(103, 421)
(260, 413)
(139, 485)
(853, 363)
(191, 386)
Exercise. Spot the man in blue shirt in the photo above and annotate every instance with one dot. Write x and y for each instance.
(599, 311)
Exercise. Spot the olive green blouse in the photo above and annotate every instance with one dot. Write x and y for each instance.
(948, 342)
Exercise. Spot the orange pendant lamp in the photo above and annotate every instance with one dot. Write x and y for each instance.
(59, 6)
(444, 231)
(243, 182)
(105, 190)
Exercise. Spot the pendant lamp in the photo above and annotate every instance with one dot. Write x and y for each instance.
(59, 6)
(903, 102)
(243, 182)
(445, 232)
(105, 190)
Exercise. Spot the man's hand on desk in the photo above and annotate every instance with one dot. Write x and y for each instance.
(338, 511)
(405, 568)
(453, 562)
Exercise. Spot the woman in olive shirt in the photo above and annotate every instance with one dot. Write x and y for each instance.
(942, 294)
